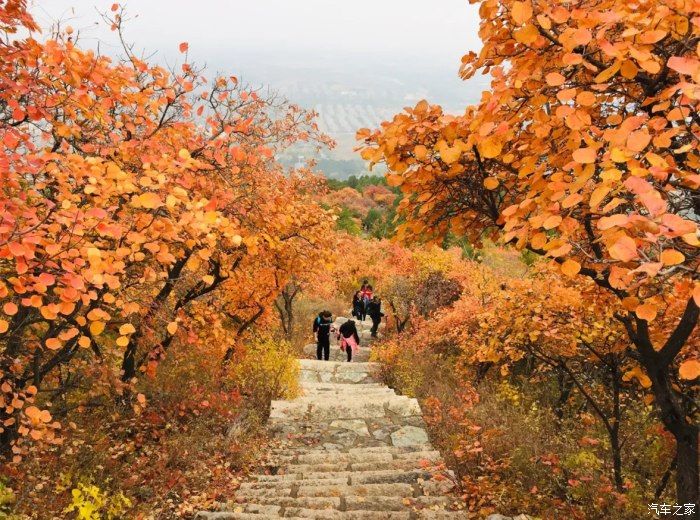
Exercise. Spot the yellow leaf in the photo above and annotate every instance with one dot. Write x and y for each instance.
(598, 195)
(4, 326)
(97, 327)
(450, 154)
(122, 341)
(551, 222)
(149, 200)
(490, 148)
(172, 328)
(126, 329)
(208, 279)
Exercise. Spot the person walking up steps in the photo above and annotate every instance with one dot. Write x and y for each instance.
(322, 330)
(358, 305)
(349, 338)
(366, 292)
(374, 309)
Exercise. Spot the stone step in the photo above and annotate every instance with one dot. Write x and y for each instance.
(339, 515)
(286, 450)
(279, 495)
(374, 465)
(347, 515)
(351, 477)
(323, 390)
(316, 409)
(348, 448)
(325, 366)
(338, 355)
(347, 477)
(376, 455)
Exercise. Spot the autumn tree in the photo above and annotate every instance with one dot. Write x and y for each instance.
(584, 150)
(130, 194)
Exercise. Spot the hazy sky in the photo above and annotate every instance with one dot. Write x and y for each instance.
(356, 62)
(423, 29)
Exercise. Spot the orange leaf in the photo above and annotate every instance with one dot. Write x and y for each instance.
(647, 311)
(689, 370)
(585, 155)
(184, 46)
(652, 36)
(4, 326)
(53, 343)
(617, 220)
(554, 79)
(551, 222)
(126, 329)
(638, 141)
(624, 250)
(570, 268)
(672, 257)
(10, 308)
(491, 183)
(683, 65)
(521, 12)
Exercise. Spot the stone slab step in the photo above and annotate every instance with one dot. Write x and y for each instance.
(375, 449)
(349, 477)
(347, 515)
(336, 354)
(317, 409)
(325, 366)
(396, 464)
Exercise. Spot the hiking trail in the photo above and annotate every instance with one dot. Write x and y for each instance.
(349, 448)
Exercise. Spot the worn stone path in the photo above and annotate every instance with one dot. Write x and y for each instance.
(349, 448)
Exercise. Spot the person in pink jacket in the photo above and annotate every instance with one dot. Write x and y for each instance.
(349, 338)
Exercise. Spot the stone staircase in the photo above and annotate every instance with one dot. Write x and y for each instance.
(348, 448)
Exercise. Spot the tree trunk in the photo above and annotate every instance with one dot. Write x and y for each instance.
(686, 435)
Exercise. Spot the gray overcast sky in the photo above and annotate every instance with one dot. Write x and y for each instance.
(356, 62)
(427, 28)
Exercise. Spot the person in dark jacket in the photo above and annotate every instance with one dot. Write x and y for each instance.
(374, 309)
(358, 305)
(322, 330)
(349, 338)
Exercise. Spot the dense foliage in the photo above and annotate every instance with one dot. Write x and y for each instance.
(145, 225)
(585, 150)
